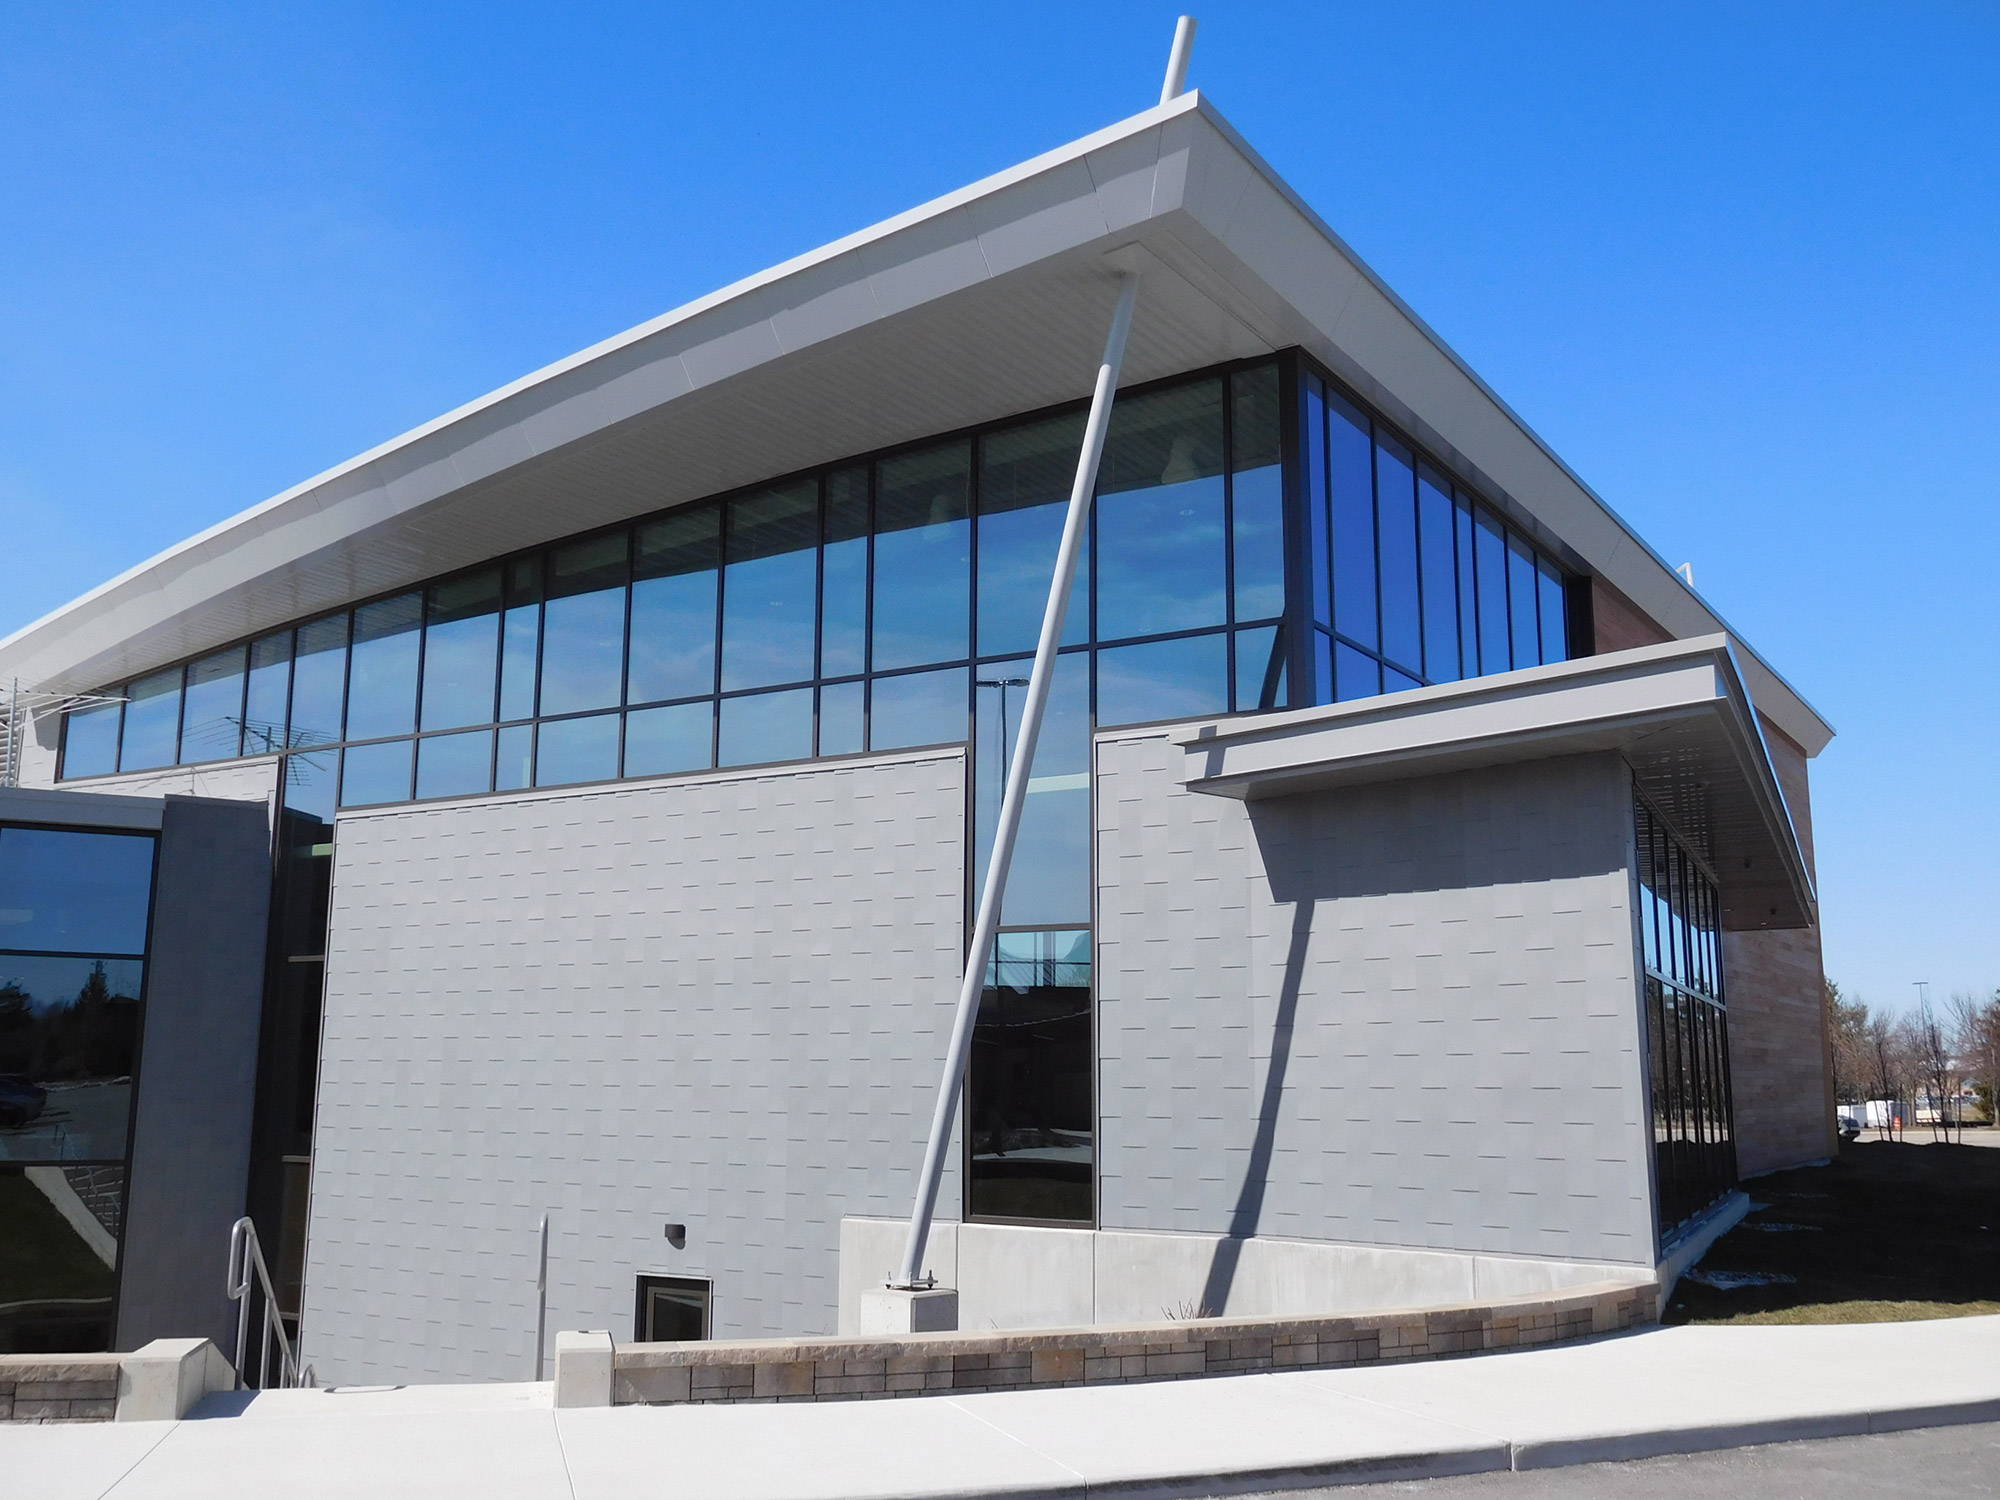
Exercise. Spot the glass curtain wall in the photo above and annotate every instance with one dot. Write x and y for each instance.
(1412, 580)
(888, 602)
(75, 909)
(1687, 1025)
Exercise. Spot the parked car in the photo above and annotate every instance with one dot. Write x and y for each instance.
(20, 1101)
(1850, 1126)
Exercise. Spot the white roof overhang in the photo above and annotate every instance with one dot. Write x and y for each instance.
(987, 302)
(1678, 713)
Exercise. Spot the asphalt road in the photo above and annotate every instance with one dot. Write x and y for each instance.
(1954, 1461)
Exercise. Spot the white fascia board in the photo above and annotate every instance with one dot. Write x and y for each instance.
(1626, 701)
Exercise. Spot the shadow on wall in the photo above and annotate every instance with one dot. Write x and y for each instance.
(1502, 826)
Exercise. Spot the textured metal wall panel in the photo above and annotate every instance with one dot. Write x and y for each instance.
(720, 1001)
(1397, 1015)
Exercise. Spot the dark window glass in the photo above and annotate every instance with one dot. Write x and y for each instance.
(61, 1269)
(1028, 1105)
(1025, 478)
(269, 695)
(90, 740)
(1350, 470)
(1257, 494)
(1555, 614)
(1321, 566)
(212, 708)
(455, 765)
(1260, 669)
(1468, 590)
(514, 761)
(840, 719)
(572, 750)
(766, 727)
(1181, 679)
(1355, 673)
(152, 721)
(1440, 578)
(672, 1309)
(1521, 590)
(673, 606)
(520, 638)
(1394, 681)
(1396, 521)
(1050, 879)
(919, 708)
(679, 737)
(1490, 542)
(70, 1027)
(74, 892)
(371, 774)
(382, 668)
(311, 778)
(1160, 547)
(319, 681)
(461, 650)
(769, 587)
(583, 628)
(1322, 667)
(923, 554)
(843, 620)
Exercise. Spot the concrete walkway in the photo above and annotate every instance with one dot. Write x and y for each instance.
(1661, 1391)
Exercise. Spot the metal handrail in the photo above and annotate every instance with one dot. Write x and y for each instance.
(246, 1256)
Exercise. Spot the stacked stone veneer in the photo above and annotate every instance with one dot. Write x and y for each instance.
(942, 1363)
(58, 1387)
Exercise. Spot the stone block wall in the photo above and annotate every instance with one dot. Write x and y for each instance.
(58, 1387)
(863, 1369)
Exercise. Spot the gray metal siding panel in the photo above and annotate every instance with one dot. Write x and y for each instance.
(197, 1070)
(720, 1001)
(1395, 1015)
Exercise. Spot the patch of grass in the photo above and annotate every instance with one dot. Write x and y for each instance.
(1865, 1312)
(1888, 1231)
(41, 1257)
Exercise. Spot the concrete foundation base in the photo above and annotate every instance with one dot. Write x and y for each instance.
(892, 1310)
(1010, 1276)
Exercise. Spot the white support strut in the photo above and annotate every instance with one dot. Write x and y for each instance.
(988, 920)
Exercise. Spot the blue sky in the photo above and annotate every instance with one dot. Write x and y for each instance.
(1737, 264)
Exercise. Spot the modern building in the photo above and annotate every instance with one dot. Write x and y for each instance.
(1414, 898)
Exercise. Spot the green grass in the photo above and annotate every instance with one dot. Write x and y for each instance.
(42, 1259)
(1890, 1232)
(1864, 1312)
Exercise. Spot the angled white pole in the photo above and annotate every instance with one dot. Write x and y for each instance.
(988, 919)
(1177, 60)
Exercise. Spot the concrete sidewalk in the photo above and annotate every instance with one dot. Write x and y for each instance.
(1661, 1391)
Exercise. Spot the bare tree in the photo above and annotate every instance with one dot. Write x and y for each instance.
(1887, 1066)
(1936, 1070)
(1974, 1023)
(1847, 1026)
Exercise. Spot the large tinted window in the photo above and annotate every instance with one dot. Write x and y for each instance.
(923, 557)
(382, 668)
(68, 892)
(1257, 494)
(212, 707)
(583, 626)
(152, 722)
(673, 606)
(1160, 536)
(461, 650)
(769, 586)
(1025, 478)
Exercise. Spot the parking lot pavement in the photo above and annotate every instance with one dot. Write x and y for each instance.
(1933, 1460)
